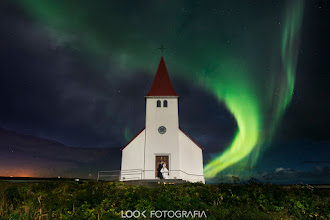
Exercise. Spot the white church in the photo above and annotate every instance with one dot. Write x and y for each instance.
(162, 139)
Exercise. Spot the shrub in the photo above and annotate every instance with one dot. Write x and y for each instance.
(104, 200)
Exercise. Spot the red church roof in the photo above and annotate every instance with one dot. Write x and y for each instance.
(162, 85)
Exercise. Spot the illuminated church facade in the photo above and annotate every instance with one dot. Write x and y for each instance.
(162, 138)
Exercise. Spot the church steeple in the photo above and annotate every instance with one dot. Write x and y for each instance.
(162, 85)
(162, 138)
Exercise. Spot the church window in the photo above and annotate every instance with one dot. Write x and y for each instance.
(159, 104)
(165, 103)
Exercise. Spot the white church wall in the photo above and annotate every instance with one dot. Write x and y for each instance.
(162, 144)
(191, 159)
(133, 158)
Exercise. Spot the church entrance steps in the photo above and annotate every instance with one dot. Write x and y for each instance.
(155, 182)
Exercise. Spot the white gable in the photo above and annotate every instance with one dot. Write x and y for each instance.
(132, 157)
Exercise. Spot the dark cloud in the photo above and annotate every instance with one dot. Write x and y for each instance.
(22, 155)
(318, 162)
(280, 175)
(56, 93)
(318, 175)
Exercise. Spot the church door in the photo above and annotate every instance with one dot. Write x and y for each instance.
(157, 162)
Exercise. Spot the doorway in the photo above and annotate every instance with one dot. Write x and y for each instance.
(157, 162)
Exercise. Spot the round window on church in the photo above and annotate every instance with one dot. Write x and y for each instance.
(162, 130)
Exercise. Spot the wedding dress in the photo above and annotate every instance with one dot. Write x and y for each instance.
(164, 172)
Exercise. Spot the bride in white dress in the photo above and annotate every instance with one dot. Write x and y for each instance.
(164, 172)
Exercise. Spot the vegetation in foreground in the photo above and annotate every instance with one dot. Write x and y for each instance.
(104, 200)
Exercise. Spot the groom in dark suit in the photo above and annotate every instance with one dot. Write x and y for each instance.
(160, 166)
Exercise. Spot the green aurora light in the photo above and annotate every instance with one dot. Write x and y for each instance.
(242, 102)
(222, 69)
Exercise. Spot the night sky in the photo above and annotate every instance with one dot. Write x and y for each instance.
(252, 76)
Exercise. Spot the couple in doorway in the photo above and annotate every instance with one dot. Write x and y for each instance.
(162, 170)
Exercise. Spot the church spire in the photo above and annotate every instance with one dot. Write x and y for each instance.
(162, 85)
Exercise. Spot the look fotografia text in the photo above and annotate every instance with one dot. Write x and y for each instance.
(163, 214)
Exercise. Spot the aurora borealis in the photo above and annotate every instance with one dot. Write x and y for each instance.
(239, 59)
(246, 108)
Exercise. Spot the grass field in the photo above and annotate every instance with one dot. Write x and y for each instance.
(105, 200)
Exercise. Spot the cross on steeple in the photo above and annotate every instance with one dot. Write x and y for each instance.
(162, 48)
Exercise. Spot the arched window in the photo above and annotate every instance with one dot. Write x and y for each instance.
(159, 104)
(165, 103)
